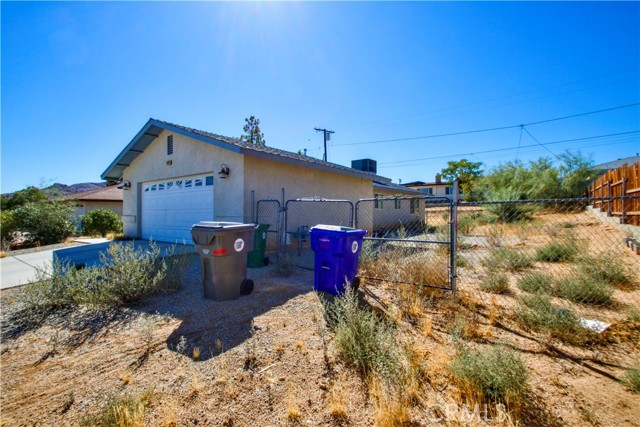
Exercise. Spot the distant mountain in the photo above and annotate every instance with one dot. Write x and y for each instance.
(58, 189)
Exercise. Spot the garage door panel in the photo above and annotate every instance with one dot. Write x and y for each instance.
(168, 214)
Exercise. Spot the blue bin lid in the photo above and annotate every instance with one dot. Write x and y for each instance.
(336, 228)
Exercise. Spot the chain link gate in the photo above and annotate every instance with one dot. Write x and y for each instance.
(301, 215)
(410, 240)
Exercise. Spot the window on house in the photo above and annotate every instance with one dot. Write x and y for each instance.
(209, 180)
(397, 203)
(169, 145)
(377, 204)
(427, 190)
(415, 205)
(448, 190)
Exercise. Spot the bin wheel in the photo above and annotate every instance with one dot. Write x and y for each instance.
(266, 261)
(246, 287)
(355, 284)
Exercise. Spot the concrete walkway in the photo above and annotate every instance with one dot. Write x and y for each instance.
(18, 270)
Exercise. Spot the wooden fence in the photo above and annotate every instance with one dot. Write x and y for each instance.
(616, 184)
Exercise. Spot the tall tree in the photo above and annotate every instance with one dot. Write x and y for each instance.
(467, 173)
(252, 133)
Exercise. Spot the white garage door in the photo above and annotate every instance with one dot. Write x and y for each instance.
(171, 206)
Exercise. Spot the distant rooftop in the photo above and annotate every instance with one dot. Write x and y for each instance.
(107, 194)
(615, 164)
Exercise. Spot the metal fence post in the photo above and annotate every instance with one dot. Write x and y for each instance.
(454, 235)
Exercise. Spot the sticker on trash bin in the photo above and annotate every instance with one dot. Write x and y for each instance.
(238, 245)
(205, 251)
(264, 235)
(354, 247)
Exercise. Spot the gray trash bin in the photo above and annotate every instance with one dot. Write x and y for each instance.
(223, 248)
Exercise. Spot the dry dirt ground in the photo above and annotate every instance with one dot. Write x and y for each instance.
(268, 359)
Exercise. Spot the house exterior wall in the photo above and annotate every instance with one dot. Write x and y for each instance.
(439, 190)
(390, 218)
(267, 178)
(83, 207)
(189, 157)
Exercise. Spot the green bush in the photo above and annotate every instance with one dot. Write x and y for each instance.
(508, 259)
(100, 222)
(467, 222)
(632, 379)
(496, 373)
(503, 211)
(126, 274)
(584, 290)
(538, 313)
(45, 223)
(496, 283)
(536, 282)
(558, 251)
(362, 339)
(7, 225)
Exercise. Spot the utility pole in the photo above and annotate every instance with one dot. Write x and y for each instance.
(327, 137)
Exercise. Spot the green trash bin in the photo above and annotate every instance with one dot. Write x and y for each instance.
(256, 258)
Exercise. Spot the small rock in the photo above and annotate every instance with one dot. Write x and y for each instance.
(323, 387)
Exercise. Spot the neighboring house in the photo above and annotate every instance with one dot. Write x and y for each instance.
(174, 176)
(602, 168)
(389, 214)
(438, 188)
(104, 198)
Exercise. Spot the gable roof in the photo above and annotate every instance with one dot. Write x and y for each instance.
(154, 128)
(107, 194)
(422, 184)
(615, 164)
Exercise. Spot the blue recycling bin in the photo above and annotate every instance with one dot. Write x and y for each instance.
(336, 256)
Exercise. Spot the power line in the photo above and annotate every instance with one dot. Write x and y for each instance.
(539, 143)
(495, 150)
(489, 129)
(327, 137)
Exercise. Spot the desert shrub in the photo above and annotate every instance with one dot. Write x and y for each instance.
(496, 373)
(126, 274)
(45, 223)
(467, 222)
(508, 259)
(121, 411)
(496, 283)
(558, 251)
(20, 198)
(177, 260)
(607, 269)
(7, 225)
(368, 255)
(538, 313)
(362, 339)
(632, 379)
(584, 289)
(506, 207)
(536, 282)
(633, 315)
(100, 222)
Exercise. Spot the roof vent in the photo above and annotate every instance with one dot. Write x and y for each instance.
(169, 145)
(366, 165)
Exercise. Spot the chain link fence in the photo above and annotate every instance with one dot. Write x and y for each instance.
(403, 244)
(555, 266)
(269, 211)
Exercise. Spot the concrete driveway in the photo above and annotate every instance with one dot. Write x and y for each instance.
(18, 270)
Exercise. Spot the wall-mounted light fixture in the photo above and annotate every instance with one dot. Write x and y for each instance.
(124, 185)
(224, 171)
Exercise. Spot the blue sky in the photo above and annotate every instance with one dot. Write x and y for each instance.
(79, 80)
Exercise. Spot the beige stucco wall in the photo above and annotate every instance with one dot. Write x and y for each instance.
(189, 157)
(267, 178)
(439, 190)
(82, 208)
(389, 217)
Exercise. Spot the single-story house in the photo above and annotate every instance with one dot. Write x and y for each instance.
(109, 198)
(174, 176)
(406, 209)
(438, 188)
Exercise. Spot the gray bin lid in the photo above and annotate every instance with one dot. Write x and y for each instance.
(217, 226)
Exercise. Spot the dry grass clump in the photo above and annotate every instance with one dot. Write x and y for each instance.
(632, 379)
(495, 374)
(536, 282)
(584, 290)
(558, 251)
(495, 283)
(607, 269)
(538, 313)
(285, 265)
(390, 406)
(362, 339)
(508, 259)
(121, 411)
(338, 403)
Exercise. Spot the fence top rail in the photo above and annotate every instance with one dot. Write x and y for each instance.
(425, 198)
(568, 200)
(269, 200)
(318, 199)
